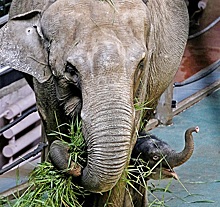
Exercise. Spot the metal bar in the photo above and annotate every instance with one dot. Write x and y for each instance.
(20, 106)
(26, 157)
(201, 74)
(23, 124)
(11, 149)
(4, 19)
(25, 114)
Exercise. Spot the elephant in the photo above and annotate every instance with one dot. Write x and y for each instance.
(153, 150)
(159, 160)
(95, 60)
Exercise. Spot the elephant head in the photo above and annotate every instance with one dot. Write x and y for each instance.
(93, 59)
(160, 156)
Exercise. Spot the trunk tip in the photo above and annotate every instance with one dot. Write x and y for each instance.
(59, 157)
(196, 129)
(192, 129)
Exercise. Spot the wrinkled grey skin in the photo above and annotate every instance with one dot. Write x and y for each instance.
(94, 60)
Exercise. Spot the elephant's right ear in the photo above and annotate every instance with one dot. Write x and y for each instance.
(22, 46)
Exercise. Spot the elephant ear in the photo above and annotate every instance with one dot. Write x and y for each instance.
(22, 46)
(168, 37)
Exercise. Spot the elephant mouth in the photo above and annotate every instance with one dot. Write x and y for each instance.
(163, 173)
(170, 173)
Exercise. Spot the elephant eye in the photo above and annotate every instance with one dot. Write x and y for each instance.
(71, 73)
(155, 157)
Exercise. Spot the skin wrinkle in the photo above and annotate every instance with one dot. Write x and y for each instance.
(111, 175)
(112, 168)
(73, 109)
(98, 144)
(93, 144)
(124, 141)
(95, 147)
(67, 98)
(94, 151)
(102, 111)
(110, 171)
(106, 167)
(105, 130)
(105, 159)
(102, 90)
(100, 168)
(102, 108)
(108, 156)
(92, 141)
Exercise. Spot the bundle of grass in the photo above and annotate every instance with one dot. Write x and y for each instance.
(139, 172)
(49, 187)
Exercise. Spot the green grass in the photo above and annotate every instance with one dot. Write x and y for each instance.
(49, 187)
(138, 174)
(141, 107)
(76, 144)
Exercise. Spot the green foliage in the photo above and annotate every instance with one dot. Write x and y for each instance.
(49, 187)
(75, 142)
(137, 175)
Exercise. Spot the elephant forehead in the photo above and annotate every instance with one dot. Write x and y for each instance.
(83, 16)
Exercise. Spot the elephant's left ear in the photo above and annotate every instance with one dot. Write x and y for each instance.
(22, 46)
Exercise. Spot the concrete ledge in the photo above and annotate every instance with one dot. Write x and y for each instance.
(14, 192)
(10, 179)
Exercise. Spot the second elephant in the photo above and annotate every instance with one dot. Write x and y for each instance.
(153, 158)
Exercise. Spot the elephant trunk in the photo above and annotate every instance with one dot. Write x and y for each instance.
(177, 159)
(107, 128)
